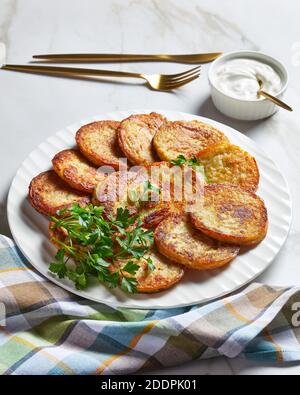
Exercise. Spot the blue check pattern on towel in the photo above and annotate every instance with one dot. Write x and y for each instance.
(49, 331)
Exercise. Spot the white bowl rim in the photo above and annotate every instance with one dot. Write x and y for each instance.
(250, 52)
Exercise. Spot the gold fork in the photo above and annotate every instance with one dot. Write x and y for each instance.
(158, 82)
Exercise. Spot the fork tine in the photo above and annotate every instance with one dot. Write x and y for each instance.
(178, 85)
(183, 73)
(181, 79)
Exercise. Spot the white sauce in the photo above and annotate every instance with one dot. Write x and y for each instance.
(238, 78)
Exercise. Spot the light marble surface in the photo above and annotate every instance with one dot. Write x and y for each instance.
(34, 107)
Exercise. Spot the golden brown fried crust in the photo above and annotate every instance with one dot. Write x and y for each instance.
(98, 142)
(179, 241)
(48, 194)
(135, 137)
(233, 215)
(72, 167)
(185, 138)
(112, 193)
(165, 275)
(229, 164)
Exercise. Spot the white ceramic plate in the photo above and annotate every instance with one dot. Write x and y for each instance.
(29, 228)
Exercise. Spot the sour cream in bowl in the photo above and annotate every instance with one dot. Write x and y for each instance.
(234, 84)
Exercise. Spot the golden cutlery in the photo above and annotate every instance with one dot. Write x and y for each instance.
(273, 99)
(190, 58)
(159, 82)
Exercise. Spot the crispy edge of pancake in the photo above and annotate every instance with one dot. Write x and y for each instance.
(67, 165)
(249, 239)
(172, 251)
(88, 149)
(129, 147)
(40, 185)
(250, 182)
(165, 275)
(163, 147)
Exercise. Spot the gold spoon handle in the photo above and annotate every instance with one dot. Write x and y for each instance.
(275, 100)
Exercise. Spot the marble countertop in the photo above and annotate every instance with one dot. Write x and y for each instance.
(34, 107)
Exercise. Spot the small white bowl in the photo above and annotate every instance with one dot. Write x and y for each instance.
(246, 110)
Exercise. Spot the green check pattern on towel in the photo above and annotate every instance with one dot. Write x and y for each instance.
(49, 331)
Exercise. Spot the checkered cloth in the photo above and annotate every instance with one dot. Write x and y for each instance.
(49, 331)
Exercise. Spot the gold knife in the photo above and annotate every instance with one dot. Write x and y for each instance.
(190, 58)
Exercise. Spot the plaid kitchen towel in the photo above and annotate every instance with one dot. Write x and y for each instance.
(49, 331)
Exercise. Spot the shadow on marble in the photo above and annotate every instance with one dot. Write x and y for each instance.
(207, 109)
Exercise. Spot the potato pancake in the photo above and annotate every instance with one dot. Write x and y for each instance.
(164, 275)
(185, 138)
(72, 167)
(135, 137)
(232, 214)
(48, 194)
(98, 142)
(176, 238)
(229, 164)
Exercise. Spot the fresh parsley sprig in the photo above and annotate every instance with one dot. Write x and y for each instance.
(95, 243)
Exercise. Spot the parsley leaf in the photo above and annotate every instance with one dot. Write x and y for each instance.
(130, 268)
(58, 266)
(129, 284)
(94, 243)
